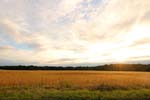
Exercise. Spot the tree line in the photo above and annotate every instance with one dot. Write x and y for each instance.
(107, 67)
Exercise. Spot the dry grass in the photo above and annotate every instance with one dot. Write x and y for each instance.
(75, 79)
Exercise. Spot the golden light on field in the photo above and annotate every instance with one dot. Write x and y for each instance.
(75, 79)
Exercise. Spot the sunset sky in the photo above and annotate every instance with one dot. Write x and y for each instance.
(74, 32)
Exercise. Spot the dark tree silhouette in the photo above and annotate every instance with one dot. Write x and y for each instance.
(110, 67)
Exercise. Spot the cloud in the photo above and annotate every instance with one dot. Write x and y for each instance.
(74, 31)
(15, 55)
(63, 60)
(141, 42)
(13, 30)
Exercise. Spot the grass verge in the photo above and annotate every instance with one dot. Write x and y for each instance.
(49, 94)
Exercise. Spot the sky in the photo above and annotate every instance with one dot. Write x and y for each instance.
(74, 32)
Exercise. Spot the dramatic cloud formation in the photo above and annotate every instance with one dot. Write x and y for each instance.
(74, 32)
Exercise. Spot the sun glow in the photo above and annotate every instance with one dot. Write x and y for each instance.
(137, 33)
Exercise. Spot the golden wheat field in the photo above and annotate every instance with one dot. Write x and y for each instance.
(75, 79)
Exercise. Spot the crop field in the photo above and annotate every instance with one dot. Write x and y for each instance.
(24, 85)
(76, 79)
